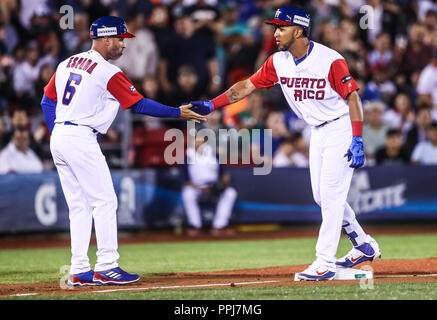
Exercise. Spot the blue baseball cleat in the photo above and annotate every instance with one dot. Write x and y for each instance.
(368, 251)
(115, 276)
(81, 279)
(316, 272)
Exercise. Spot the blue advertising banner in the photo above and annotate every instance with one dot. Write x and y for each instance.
(151, 198)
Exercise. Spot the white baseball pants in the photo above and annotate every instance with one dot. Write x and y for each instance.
(190, 196)
(330, 180)
(89, 192)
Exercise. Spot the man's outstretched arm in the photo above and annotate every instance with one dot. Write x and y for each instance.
(238, 91)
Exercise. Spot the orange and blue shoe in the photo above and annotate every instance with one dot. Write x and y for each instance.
(368, 251)
(115, 276)
(316, 272)
(81, 279)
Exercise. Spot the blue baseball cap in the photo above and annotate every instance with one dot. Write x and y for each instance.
(109, 26)
(292, 16)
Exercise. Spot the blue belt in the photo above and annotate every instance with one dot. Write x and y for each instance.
(68, 123)
(326, 122)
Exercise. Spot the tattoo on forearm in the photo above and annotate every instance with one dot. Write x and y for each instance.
(233, 95)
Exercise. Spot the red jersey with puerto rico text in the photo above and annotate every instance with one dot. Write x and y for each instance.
(315, 88)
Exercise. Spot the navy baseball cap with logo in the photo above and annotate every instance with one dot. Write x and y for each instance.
(109, 26)
(292, 16)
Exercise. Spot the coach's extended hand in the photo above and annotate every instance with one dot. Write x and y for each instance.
(190, 114)
(356, 152)
(202, 107)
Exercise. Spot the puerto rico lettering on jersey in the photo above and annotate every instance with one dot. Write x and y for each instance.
(315, 88)
(312, 88)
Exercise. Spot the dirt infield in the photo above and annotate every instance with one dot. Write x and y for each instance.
(420, 270)
(63, 240)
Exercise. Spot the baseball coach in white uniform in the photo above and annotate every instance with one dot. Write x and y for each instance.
(80, 101)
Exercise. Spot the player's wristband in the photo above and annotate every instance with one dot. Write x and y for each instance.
(220, 101)
(357, 128)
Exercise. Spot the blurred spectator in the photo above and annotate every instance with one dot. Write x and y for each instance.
(237, 39)
(385, 17)
(329, 35)
(380, 57)
(17, 157)
(205, 179)
(300, 156)
(205, 16)
(275, 121)
(382, 85)
(374, 130)
(140, 57)
(96, 8)
(268, 45)
(425, 152)
(401, 116)
(150, 87)
(45, 74)
(121, 8)
(78, 39)
(159, 25)
(3, 138)
(418, 131)
(20, 120)
(187, 89)
(26, 73)
(189, 47)
(430, 23)
(282, 156)
(427, 85)
(349, 41)
(254, 115)
(392, 152)
(424, 6)
(417, 53)
(323, 11)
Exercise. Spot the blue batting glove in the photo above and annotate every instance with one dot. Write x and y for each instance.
(356, 152)
(202, 107)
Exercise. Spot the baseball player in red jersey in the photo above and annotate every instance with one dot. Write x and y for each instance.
(318, 87)
(81, 100)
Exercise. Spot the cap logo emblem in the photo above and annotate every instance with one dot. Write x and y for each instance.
(301, 21)
(107, 31)
(278, 12)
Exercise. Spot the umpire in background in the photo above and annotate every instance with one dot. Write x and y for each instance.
(206, 179)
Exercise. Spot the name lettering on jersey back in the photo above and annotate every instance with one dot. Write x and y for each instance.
(306, 88)
(82, 64)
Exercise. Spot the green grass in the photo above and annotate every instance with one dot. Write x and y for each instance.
(380, 291)
(43, 265)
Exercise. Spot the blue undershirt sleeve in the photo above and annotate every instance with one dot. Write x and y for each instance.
(49, 110)
(155, 109)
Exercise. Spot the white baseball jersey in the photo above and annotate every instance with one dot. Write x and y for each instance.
(88, 91)
(203, 166)
(315, 88)
(427, 83)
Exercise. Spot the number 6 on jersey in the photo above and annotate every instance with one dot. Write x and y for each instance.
(70, 88)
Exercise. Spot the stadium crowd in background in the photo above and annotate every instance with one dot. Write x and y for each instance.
(187, 50)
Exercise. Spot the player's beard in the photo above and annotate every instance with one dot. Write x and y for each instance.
(286, 46)
(115, 53)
